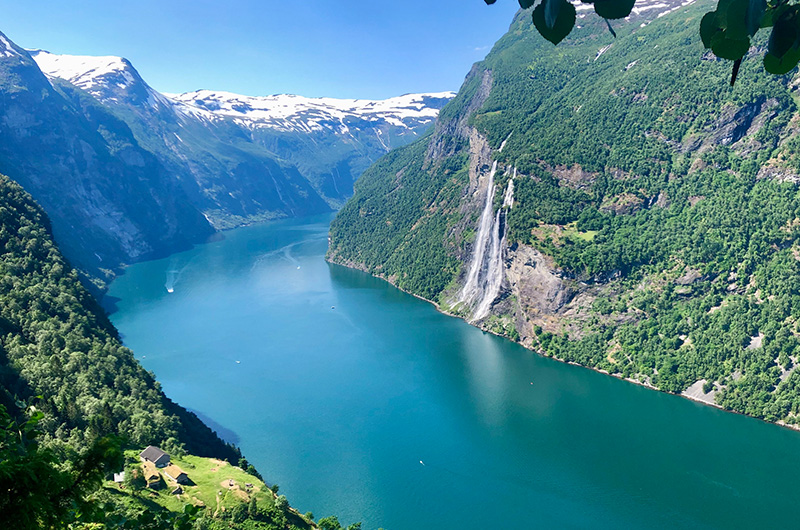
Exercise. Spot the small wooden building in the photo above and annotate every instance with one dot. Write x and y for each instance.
(176, 474)
(155, 455)
(151, 476)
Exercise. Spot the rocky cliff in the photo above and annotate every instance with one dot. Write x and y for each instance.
(111, 201)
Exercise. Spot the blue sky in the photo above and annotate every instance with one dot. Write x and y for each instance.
(337, 48)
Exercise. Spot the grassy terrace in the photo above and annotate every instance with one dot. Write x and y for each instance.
(213, 484)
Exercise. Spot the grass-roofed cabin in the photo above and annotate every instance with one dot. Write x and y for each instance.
(176, 474)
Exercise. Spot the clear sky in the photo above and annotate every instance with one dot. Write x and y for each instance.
(338, 48)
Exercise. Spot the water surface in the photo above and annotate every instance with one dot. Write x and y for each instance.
(365, 402)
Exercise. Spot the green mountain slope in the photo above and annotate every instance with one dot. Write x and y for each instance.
(653, 231)
(55, 342)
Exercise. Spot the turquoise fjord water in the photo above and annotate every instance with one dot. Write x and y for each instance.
(337, 386)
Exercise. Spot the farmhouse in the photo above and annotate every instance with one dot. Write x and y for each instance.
(155, 455)
(176, 474)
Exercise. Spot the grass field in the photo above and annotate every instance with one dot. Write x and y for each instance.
(213, 484)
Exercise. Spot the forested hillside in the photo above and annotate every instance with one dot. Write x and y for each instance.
(59, 351)
(653, 231)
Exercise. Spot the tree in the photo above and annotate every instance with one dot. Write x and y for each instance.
(35, 492)
(727, 31)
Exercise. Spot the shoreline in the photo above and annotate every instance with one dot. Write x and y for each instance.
(355, 266)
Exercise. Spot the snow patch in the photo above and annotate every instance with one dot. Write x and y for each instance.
(8, 49)
(84, 71)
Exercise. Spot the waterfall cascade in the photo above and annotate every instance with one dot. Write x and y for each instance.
(469, 293)
(508, 198)
(485, 276)
(494, 268)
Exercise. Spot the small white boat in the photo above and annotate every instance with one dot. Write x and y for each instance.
(170, 289)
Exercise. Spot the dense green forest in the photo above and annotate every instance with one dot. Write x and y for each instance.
(59, 351)
(649, 181)
(72, 398)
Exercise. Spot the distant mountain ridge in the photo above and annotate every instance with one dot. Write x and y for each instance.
(127, 173)
(288, 112)
(243, 158)
(105, 77)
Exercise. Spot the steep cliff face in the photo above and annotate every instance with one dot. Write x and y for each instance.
(567, 193)
(111, 201)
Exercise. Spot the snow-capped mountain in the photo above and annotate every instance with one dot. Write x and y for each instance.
(289, 112)
(110, 78)
(245, 158)
(93, 74)
(100, 187)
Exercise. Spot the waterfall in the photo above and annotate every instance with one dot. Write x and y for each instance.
(494, 269)
(485, 276)
(502, 145)
(470, 290)
(508, 198)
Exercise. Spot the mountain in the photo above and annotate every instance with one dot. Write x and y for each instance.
(111, 201)
(611, 202)
(127, 173)
(241, 159)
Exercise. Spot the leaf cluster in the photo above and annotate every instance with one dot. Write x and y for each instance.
(728, 31)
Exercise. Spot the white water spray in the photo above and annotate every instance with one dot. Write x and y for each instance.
(494, 269)
(508, 198)
(471, 290)
(485, 276)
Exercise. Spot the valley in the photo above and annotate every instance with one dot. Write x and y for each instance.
(244, 284)
(189, 165)
(364, 401)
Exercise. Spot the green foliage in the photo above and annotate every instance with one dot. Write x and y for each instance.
(727, 31)
(35, 491)
(332, 523)
(394, 218)
(57, 343)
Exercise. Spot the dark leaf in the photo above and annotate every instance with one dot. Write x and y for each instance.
(727, 48)
(784, 34)
(551, 10)
(561, 26)
(736, 26)
(735, 73)
(781, 65)
(755, 14)
(709, 27)
(613, 9)
(525, 4)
